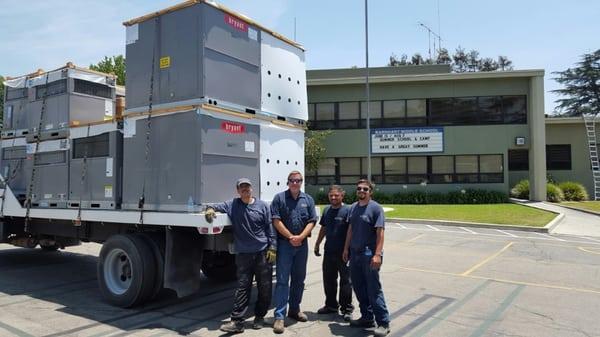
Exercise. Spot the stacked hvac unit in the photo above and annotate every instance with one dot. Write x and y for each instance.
(211, 97)
(47, 135)
(228, 100)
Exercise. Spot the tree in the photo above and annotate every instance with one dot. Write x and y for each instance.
(473, 60)
(581, 87)
(488, 64)
(1, 98)
(314, 149)
(443, 57)
(460, 60)
(417, 59)
(112, 65)
(395, 62)
(504, 63)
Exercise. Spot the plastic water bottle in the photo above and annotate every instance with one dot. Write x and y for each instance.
(190, 205)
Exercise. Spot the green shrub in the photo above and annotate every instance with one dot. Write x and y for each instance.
(469, 196)
(554, 193)
(520, 190)
(573, 191)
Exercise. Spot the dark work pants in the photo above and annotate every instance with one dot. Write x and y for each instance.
(250, 265)
(367, 288)
(333, 265)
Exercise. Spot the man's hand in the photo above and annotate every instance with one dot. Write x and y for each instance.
(210, 214)
(271, 255)
(376, 262)
(345, 255)
(296, 240)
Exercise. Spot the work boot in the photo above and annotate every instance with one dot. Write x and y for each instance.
(259, 323)
(347, 316)
(299, 316)
(362, 323)
(326, 310)
(278, 326)
(233, 327)
(382, 331)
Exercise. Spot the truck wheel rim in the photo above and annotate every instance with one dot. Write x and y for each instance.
(117, 271)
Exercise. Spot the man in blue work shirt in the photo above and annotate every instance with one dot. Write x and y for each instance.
(294, 217)
(255, 243)
(334, 227)
(364, 248)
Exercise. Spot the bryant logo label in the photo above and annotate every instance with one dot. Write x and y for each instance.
(232, 127)
(236, 23)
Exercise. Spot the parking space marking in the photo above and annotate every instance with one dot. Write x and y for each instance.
(540, 285)
(589, 250)
(549, 238)
(468, 230)
(434, 228)
(14, 331)
(448, 311)
(416, 238)
(488, 259)
(495, 316)
(507, 233)
(446, 301)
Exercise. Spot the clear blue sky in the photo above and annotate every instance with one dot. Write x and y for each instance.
(534, 34)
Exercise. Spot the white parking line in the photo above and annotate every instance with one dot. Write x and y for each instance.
(434, 228)
(548, 236)
(585, 237)
(468, 230)
(401, 226)
(507, 233)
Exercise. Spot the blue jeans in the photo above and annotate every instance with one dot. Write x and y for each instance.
(367, 288)
(291, 261)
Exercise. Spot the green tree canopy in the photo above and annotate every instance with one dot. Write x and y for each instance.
(314, 148)
(581, 87)
(112, 65)
(461, 61)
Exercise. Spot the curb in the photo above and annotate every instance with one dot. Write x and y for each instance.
(546, 229)
(550, 225)
(580, 209)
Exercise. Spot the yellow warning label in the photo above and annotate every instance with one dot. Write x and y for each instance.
(165, 62)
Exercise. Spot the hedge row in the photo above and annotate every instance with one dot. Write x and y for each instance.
(565, 191)
(469, 196)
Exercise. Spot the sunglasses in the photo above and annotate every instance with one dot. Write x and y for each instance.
(363, 189)
(295, 181)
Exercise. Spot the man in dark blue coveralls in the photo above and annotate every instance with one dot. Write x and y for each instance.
(364, 248)
(255, 245)
(294, 217)
(334, 227)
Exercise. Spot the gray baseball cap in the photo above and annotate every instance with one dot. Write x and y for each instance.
(243, 181)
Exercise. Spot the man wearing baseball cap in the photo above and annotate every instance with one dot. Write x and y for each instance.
(255, 244)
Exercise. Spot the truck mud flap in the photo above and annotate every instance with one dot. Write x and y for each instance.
(183, 260)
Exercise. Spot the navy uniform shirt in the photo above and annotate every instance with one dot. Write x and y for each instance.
(335, 221)
(365, 220)
(294, 213)
(252, 228)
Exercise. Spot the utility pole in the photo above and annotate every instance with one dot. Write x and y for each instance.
(368, 94)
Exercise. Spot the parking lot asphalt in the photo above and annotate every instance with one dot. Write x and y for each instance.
(438, 281)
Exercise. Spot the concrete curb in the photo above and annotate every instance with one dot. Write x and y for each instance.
(579, 209)
(549, 226)
(546, 229)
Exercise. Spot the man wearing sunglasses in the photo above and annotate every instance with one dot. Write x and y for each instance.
(255, 243)
(364, 249)
(294, 217)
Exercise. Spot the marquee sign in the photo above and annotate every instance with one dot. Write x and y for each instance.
(407, 140)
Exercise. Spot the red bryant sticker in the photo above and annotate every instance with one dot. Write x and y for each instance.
(236, 23)
(230, 127)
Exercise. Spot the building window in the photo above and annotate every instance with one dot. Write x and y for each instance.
(376, 169)
(518, 160)
(91, 88)
(558, 157)
(394, 113)
(90, 147)
(491, 168)
(349, 170)
(50, 89)
(348, 115)
(442, 170)
(394, 170)
(374, 114)
(326, 172)
(324, 116)
(417, 170)
(467, 168)
(490, 110)
(15, 93)
(515, 109)
(416, 112)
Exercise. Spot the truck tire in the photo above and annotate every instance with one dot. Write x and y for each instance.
(126, 270)
(156, 242)
(219, 266)
(49, 248)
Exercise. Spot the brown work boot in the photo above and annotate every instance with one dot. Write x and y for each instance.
(278, 326)
(298, 316)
